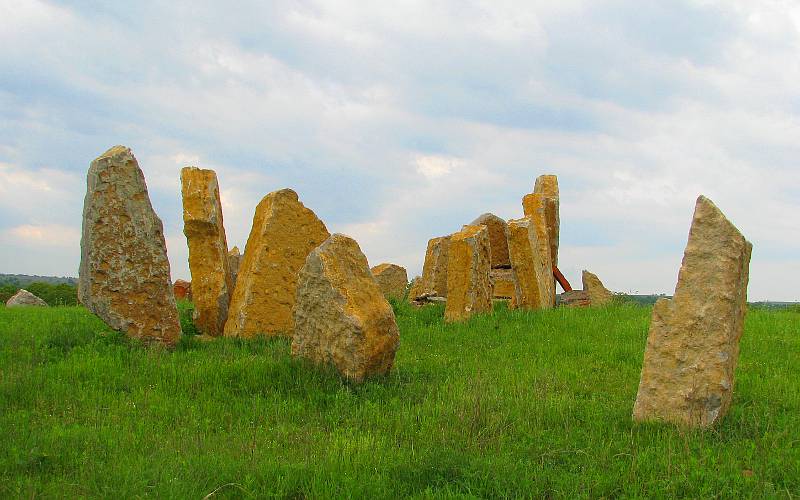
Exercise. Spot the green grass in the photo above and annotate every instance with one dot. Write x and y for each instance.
(511, 404)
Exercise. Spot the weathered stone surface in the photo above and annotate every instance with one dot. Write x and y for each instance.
(434, 272)
(182, 289)
(533, 278)
(392, 280)
(574, 298)
(535, 206)
(498, 239)
(124, 272)
(25, 298)
(469, 289)
(547, 186)
(208, 249)
(598, 294)
(693, 344)
(341, 316)
(283, 234)
(234, 263)
(504, 283)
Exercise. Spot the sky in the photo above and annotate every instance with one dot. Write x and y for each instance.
(400, 121)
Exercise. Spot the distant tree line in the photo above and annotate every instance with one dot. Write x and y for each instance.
(62, 294)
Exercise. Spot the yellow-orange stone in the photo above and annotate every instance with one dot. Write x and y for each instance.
(498, 238)
(547, 186)
(392, 279)
(341, 315)
(504, 284)
(284, 232)
(533, 281)
(534, 207)
(434, 272)
(469, 289)
(598, 294)
(203, 226)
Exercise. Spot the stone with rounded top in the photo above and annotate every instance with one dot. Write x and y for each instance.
(469, 288)
(498, 239)
(392, 279)
(182, 290)
(433, 282)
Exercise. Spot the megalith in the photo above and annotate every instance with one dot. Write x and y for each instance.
(498, 239)
(469, 289)
(547, 186)
(234, 262)
(535, 207)
(433, 282)
(392, 280)
(25, 298)
(533, 278)
(598, 294)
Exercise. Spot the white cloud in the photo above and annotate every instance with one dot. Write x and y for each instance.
(46, 235)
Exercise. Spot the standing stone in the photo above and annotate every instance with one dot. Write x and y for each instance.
(598, 294)
(434, 272)
(341, 316)
(182, 289)
(124, 272)
(392, 280)
(208, 249)
(498, 239)
(693, 344)
(469, 289)
(25, 298)
(504, 283)
(283, 234)
(234, 262)
(535, 206)
(533, 279)
(547, 186)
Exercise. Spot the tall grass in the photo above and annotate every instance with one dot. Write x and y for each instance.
(509, 404)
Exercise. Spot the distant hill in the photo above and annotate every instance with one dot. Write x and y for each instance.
(23, 279)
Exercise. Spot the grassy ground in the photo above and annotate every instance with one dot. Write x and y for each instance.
(512, 404)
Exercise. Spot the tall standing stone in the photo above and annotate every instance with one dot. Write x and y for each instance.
(341, 316)
(598, 294)
(532, 276)
(434, 271)
(234, 262)
(547, 186)
(498, 239)
(469, 289)
(203, 226)
(392, 279)
(124, 272)
(283, 234)
(693, 344)
(535, 207)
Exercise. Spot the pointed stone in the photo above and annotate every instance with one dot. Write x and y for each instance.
(234, 262)
(392, 280)
(533, 278)
(599, 295)
(208, 249)
(498, 239)
(341, 316)
(547, 186)
(283, 234)
(535, 206)
(25, 298)
(469, 289)
(124, 272)
(433, 282)
(693, 345)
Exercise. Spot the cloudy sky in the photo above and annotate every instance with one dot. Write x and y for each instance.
(399, 121)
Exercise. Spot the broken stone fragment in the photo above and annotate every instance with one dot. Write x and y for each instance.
(598, 294)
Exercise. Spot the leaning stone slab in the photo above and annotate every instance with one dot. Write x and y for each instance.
(341, 316)
(535, 206)
(693, 344)
(547, 186)
(392, 280)
(283, 234)
(533, 277)
(469, 289)
(208, 249)
(433, 282)
(599, 295)
(124, 272)
(498, 239)
(25, 298)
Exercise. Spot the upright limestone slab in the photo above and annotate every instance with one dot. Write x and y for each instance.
(535, 206)
(283, 234)
(598, 294)
(434, 271)
(124, 272)
(341, 316)
(392, 280)
(203, 226)
(533, 277)
(234, 262)
(498, 239)
(469, 289)
(547, 186)
(693, 344)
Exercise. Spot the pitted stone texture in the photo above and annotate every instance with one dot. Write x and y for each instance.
(182, 289)
(693, 344)
(124, 271)
(574, 298)
(283, 234)
(598, 294)
(498, 239)
(469, 289)
(535, 207)
(434, 272)
(25, 298)
(547, 186)
(392, 280)
(504, 284)
(341, 316)
(533, 279)
(234, 262)
(208, 249)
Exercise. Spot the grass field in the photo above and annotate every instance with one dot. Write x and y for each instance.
(511, 404)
